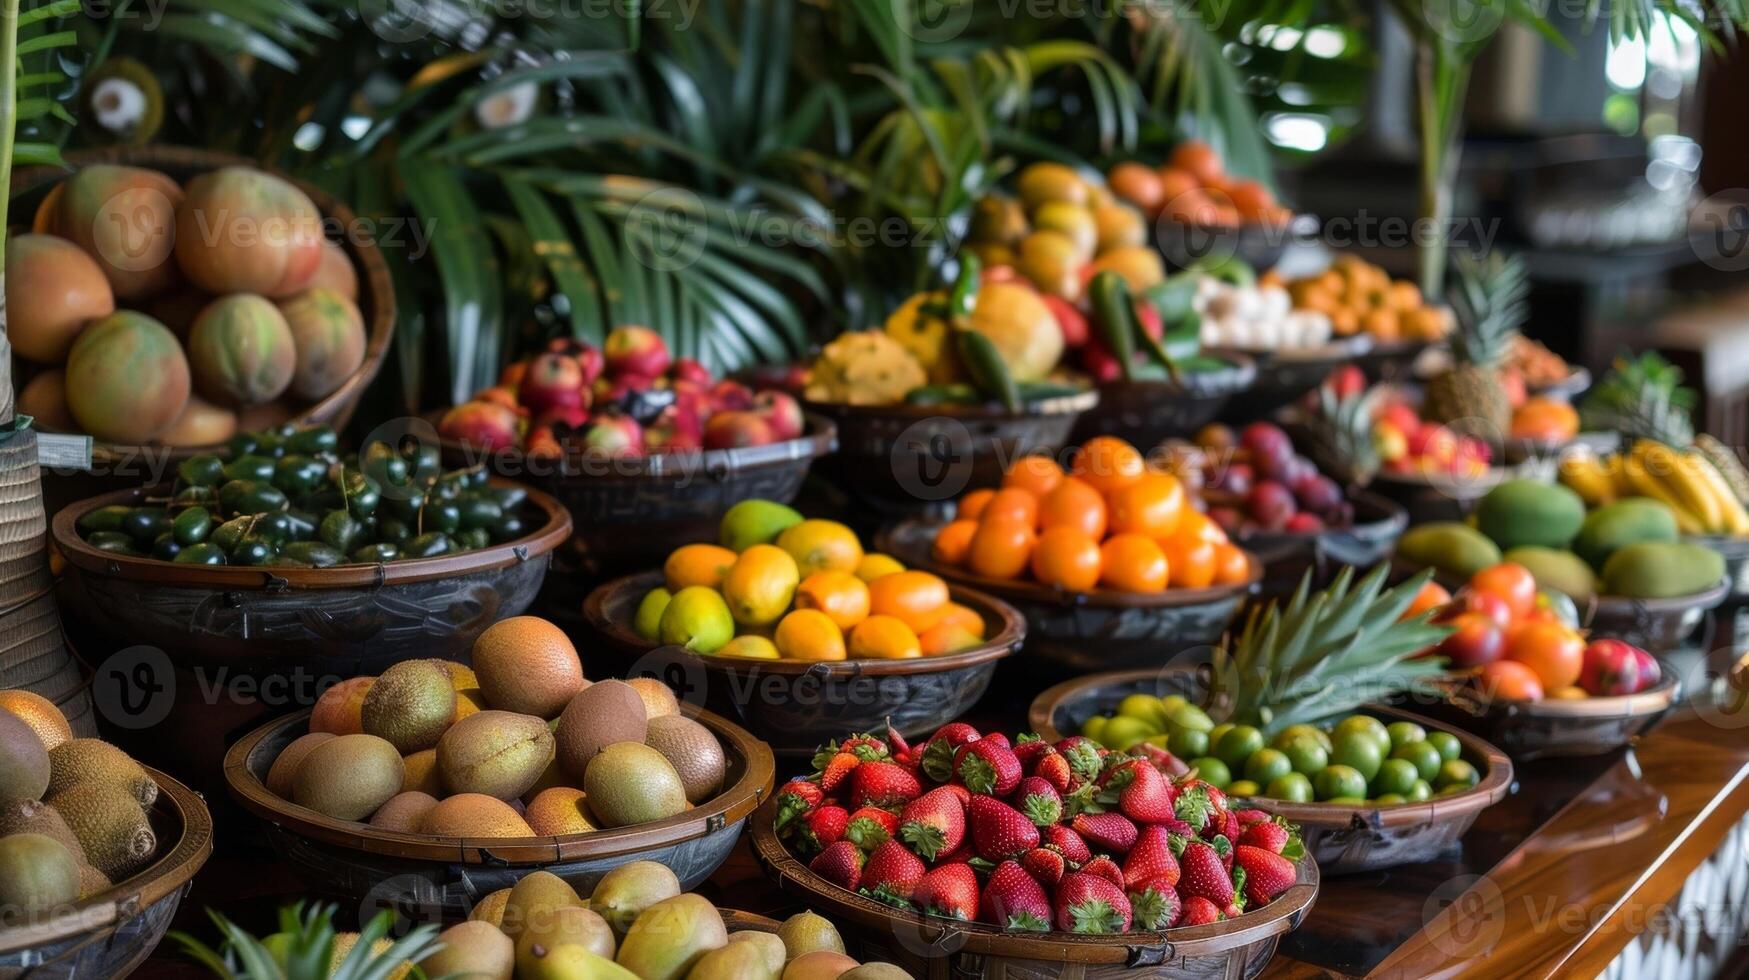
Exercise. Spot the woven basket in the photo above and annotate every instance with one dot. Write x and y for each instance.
(33, 649)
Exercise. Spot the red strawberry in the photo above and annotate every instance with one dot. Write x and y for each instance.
(882, 784)
(1151, 860)
(1250, 817)
(824, 827)
(1105, 868)
(949, 890)
(865, 747)
(999, 830)
(934, 823)
(1229, 827)
(1197, 808)
(839, 863)
(965, 854)
(891, 874)
(1039, 800)
(1163, 760)
(1073, 846)
(870, 827)
(1030, 749)
(940, 751)
(1053, 768)
(987, 767)
(1000, 739)
(1110, 832)
(1014, 901)
(1046, 864)
(1198, 911)
(1267, 874)
(836, 769)
(1155, 905)
(1202, 874)
(896, 742)
(1089, 904)
(1141, 792)
(1179, 827)
(1086, 757)
(798, 796)
(1270, 836)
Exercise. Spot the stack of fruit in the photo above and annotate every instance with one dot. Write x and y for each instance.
(1688, 482)
(72, 811)
(520, 745)
(1361, 298)
(1522, 645)
(1065, 228)
(1267, 486)
(1257, 317)
(1031, 836)
(1111, 522)
(1629, 547)
(778, 586)
(283, 497)
(1356, 759)
(232, 289)
(1538, 367)
(1193, 188)
(626, 399)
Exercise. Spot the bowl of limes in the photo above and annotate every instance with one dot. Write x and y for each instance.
(1374, 789)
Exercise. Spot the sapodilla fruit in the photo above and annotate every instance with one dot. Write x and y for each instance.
(112, 828)
(626, 891)
(630, 783)
(695, 754)
(36, 817)
(567, 925)
(404, 812)
(534, 895)
(410, 705)
(527, 665)
(283, 774)
(475, 815)
(348, 777)
(600, 715)
(328, 335)
(498, 753)
(670, 936)
(127, 378)
(125, 219)
(559, 810)
(659, 699)
(241, 350)
(92, 760)
(242, 230)
(52, 290)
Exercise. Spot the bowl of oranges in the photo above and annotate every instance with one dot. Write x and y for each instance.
(1107, 558)
(789, 623)
(1199, 209)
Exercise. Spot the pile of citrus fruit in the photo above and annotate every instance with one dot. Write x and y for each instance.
(778, 586)
(1110, 521)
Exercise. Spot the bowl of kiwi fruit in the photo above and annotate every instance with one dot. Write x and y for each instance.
(283, 551)
(96, 850)
(448, 779)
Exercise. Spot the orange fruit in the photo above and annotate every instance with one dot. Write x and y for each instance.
(809, 634)
(340, 708)
(1107, 463)
(1432, 596)
(1512, 583)
(874, 565)
(964, 617)
(1556, 652)
(1132, 563)
(1011, 504)
(1152, 506)
(1001, 549)
(946, 637)
(1509, 680)
(821, 546)
(953, 542)
(1197, 159)
(1067, 559)
(917, 599)
(1194, 524)
(972, 504)
(1074, 503)
(1039, 474)
(840, 595)
(698, 564)
(884, 638)
(1192, 561)
(1231, 565)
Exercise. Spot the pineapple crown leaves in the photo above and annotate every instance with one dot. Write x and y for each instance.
(1491, 301)
(1641, 397)
(1340, 430)
(242, 956)
(1325, 653)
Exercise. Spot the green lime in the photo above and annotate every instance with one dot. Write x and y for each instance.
(1447, 744)
(1358, 751)
(1267, 764)
(1334, 781)
(648, 620)
(1293, 732)
(1171, 704)
(1093, 726)
(1123, 731)
(1187, 715)
(1237, 744)
(1404, 732)
(1292, 788)
(1159, 740)
(1457, 773)
(1143, 706)
(1420, 791)
(1217, 732)
(1365, 725)
(1243, 787)
(1188, 743)
(1423, 755)
(1212, 771)
(1390, 799)
(1396, 776)
(1306, 754)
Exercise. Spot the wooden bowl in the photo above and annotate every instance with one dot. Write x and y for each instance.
(1286, 557)
(112, 932)
(1553, 727)
(113, 465)
(1147, 413)
(449, 874)
(344, 620)
(898, 458)
(1343, 839)
(949, 949)
(1285, 375)
(670, 498)
(798, 706)
(1088, 631)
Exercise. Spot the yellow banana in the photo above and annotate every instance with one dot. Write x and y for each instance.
(1646, 485)
(1735, 518)
(1666, 466)
(1616, 466)
(1583, 473)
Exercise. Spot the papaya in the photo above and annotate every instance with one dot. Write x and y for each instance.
(241, 351)
(52, 290)
(123, 217)
(1562, 571)
(127, 379)
(335, 271)
(1449, 546)
(1528, 512)
(328, 335)
(1661, 570)
(243, 230)
(1627, 521)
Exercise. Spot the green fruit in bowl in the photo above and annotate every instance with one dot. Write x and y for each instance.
(1338, 781)
(1123, 732)
(1094, 728)
(1171, 704)
(1143, 706)
(1265, 765)
(1188, 743)
(1448, 745)
(1404, 732)
(1237, 744)
(1358, 751)
(1295, 787)
(1305, 754)
(1422, 790)
(1346, 801)
(1390, 799)
(1182, 714)
(1295, 732)
(1218, 732)
(1363, 725)
(1396, 777)
(1422, 755)
(1212, 771)
(1243, 787)
(1456, 773)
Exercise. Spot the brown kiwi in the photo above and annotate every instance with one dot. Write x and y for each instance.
(475, 815)
(40, 714)
(410, 705)
(404, 813)
(112, 829)
(283, 774)
(659, 699)
(24, 763)
(600, 715)
(349, 776)
(695, 754)
(94, 760)
(35, 817)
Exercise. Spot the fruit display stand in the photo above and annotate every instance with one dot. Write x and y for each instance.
(944, 949)
(1081, 632)
(111, 933)
(1147, 412)
(798, 705)
(115, 466)
(449, 875)
(1286, 556)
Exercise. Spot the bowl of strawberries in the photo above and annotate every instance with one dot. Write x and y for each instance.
(973, 852)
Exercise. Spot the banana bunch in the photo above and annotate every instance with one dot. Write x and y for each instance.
(1592, 477)
(1685, 480)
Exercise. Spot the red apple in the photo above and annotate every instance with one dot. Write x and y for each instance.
(499, 395)
(481, 426)
(781, 413)
(1100, 364)
(1227, 517)
(552, 380)
(1347, 381)
(1614, 667)
(673, 431)
(687, 369)
(1070, 320)
(511, 376)
(613, 434)
(736, 430)
(1477, 640)
(636, 350)
(1304, 522)
(1487, 604)
(592, 363)
(1401, 417)
(1270, 504)
(731, 396)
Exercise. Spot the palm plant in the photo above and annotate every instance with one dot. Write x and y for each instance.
(304, 948)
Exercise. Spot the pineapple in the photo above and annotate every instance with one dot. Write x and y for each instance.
(1490, 303)
(1339, 431)
(1326, 654)
(307, 947)
(1641, 398)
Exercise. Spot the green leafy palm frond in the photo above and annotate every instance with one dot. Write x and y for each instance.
(303, 948)
(41, 85)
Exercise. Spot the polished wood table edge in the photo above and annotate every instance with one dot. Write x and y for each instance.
(1573, 895)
